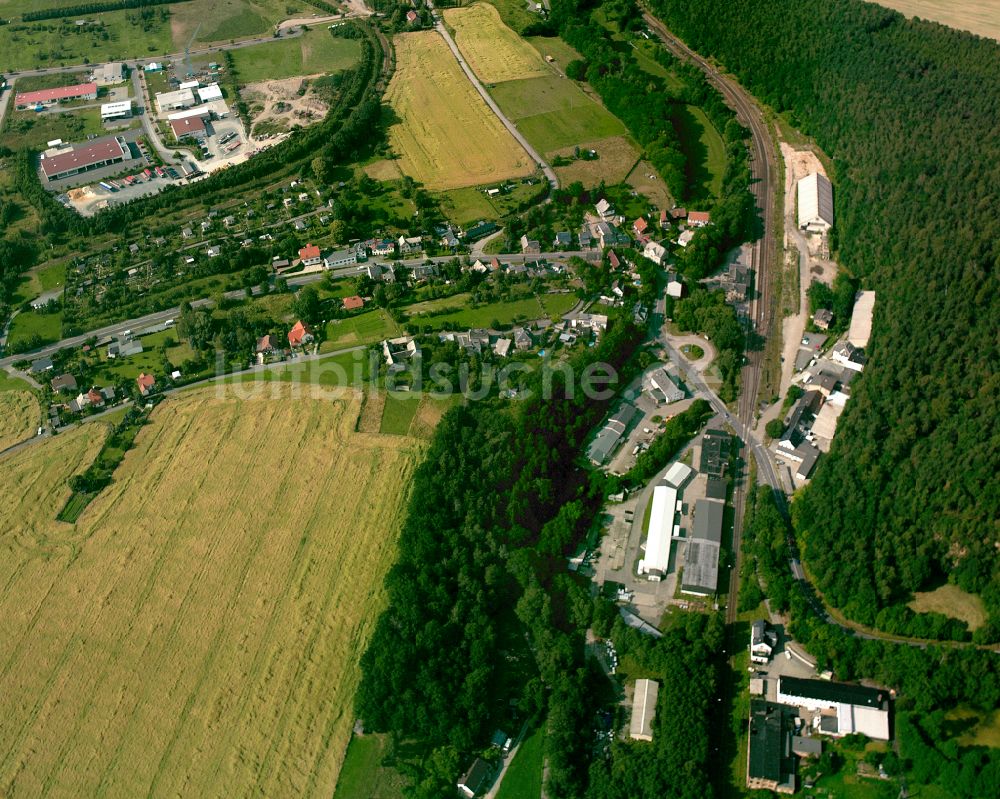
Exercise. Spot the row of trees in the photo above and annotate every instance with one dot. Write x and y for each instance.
(903, 500)
(92, 8)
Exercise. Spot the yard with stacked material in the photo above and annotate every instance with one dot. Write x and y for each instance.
(19, 416)
(447, 136)
(493, 50)
(197, 631)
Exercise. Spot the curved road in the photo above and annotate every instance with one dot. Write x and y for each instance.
(549, 172)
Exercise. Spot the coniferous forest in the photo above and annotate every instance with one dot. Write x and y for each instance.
(909, 113)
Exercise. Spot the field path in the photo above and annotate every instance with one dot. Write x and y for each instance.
(548, 170)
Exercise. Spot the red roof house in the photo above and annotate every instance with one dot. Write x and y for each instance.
(679, 213)
(411, 16)
(494, 264)
(640, 225)
(266, 344)
(145, 383)
(699, 218)
(299, 335)
(353, 303)
(95, 397)
(310, 255)
(613, 259)
(664, 218)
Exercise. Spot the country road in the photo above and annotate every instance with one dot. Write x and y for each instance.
(548, 170)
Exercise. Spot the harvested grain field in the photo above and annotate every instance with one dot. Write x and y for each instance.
(19, 415)
(197, 632)
(493, 50)
(447, 136)
(977, 16)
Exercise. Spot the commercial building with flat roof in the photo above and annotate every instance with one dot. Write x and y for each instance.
(172, 101)
(111, 73)
(715, 452)
(98, 153)
(661, 530)
(210, 93)
(110, 111)
(708, 520)
(678, 474)
(643, 710)
(770, 761)
(80, 91)
(844, 708)
(815, 203)
(701, 558)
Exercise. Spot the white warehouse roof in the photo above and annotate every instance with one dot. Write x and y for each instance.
(815, 202)
(661, 526)
(209, 93)
(191, 84)
(643, 709)
(168, 101)
(861, 319)
(116, 109)
(677, 474)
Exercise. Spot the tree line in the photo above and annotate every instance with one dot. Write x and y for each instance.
(92, 8)
(906, 498)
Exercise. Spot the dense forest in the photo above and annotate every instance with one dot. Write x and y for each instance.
(908, 111)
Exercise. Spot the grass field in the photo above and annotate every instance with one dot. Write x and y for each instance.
(704, 147)
(556, 48)
(526, 308)
(28, 129)
(493, 50)
(441, 115)
(365, 328)
(523, 779)
(50, 43)
(645, 180)
(315, 52)
(469, 205)
(398, 413)
(977, 730)
(616, 158)
(8, 383)
(363, 777)
(220, 20)
(47, 326)
(978, 16)
(197, 632)
(40, 280)
(553, 112)
(19, 416)
(952, 601)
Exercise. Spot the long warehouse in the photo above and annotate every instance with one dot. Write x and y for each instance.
(661, 529)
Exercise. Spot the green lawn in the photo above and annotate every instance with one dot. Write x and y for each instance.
(50, 43)
(508, 312)
(704, 148)
(28, 129)
(40, 280)
(470, 205)
(523, 779)
(554, 112)
(48, 328)
(363, 777)
(555, 47)
(365, 328)
(315, 52)
(8, 383)
(398, 413)
(514, 13)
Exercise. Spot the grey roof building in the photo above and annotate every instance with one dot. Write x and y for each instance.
(606, 440)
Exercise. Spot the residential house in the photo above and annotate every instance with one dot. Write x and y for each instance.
(849, 356)
(699, 218)
(266, 345)
(133, 248)
(530, 246)
(397, 350)
(63, 383)
(563, 239)
(494, 264)
(737, 283)
(95, 397)
(422, 271)
(502, 347)
(187, 233)
(310, 255)
(448, 239)
(674, 286)
(341, 258)
(684, 239)
(655, 252)
(586, 321)
(299, 335)
(823, 318)
(411, 17)
(476, 779)
(213, 252)
(410, 245)
(640, 226)
(613, 260)
(280, 264)
(146, 383)
(229, 221)
(678, 213)
(354, 303)
(299, 225)
(585, 239)
(604, 210)
(763, 641)
(124, 347)
(522, 339)
(108, 394)
(608, 235)
(664, 219)
(383, 248)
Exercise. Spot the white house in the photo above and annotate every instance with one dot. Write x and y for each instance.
(655, 252)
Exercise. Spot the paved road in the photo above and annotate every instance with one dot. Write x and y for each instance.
(549, 172)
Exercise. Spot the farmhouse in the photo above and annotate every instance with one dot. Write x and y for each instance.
(299, 334)
(656, 561)
(861, 319)
(189, 128)
(476, 778)
(81, 91)
(530, 246)
(815, 203)
(145, 383)
(842, 709)
(173, 101)
(266, 345)
(607, 439)
(770, 766)
(310, 255)
(72, 161)
(643, 710)
(113, 111)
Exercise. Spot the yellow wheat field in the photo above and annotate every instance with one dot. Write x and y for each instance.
(197, 633)
(19, 417)
(447, 136)
(493, 50)
(978, 16)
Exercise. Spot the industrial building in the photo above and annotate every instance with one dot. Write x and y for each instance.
(111, 73)
(770, 760)
(189, 128)
(173, 101)
(210, 93)
(664, 389)
(842, 709)
(678, 474)
(606, 440)
(63, 163)
(80, 91)
(861, 319)
(715, 453)
(701, 558)
(661, 530)
(112, 111)
(643, 710)
(815, 203)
